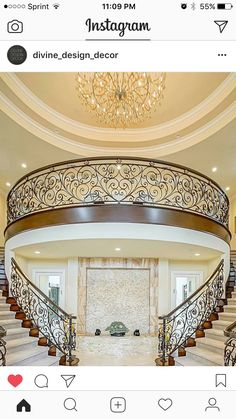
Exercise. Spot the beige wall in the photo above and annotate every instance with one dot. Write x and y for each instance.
(232, 216)
(3, 217)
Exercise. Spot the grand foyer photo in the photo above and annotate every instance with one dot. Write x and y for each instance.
(117, 219)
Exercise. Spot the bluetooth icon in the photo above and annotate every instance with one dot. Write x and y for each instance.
(193, 6)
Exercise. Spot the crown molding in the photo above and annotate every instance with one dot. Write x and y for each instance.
(160, 131)
(84, 150)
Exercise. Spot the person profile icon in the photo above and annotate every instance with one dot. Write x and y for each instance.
(212, 405)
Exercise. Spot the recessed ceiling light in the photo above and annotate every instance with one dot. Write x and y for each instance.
(23, 165)
(37, 252)
(8, 184)
(227, 188)
(197, 254)
(117, 249)
(214, 169)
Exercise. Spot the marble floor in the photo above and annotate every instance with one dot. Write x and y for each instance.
(117, 351)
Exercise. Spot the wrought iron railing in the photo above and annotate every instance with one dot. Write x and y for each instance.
(57, 326)
(183, 322)
(230, 346)
(2, 347)
(118, 181)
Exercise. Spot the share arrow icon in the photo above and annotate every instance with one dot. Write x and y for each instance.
(222, 24)
(68, 379)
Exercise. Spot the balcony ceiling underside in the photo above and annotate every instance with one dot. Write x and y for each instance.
(43, 122)
(106, 248)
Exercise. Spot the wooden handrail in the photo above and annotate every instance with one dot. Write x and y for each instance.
(41, 292)
(230, 330)
(3, 332)
(189, 299)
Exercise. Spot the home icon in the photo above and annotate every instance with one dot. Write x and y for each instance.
(23, 406)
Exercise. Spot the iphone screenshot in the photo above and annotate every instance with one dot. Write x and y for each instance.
(117, 209)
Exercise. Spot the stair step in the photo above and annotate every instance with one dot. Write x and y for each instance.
(215, 334)
(230, 309)
(15, 333)
(27, 357)
(220, 324)
(11, 323)
(227, 309)
(230, 317)
(2, 300)
(231, 301)
(204, 356)
(4, 307)
(212, 345)
(48, 361)
(189, 361)
(21, 344)
(7, 315)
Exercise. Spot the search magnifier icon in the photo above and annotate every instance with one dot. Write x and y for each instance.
(70, 404)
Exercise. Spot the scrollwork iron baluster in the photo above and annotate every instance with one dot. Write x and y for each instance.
(183, 322)
(118, 181)
(230, 346)
(52, 322)
(3, 349)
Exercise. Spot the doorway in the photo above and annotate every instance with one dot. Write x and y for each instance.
(183, 285)
(52, 283)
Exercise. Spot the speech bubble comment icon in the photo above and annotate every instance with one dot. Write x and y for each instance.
(41, 381)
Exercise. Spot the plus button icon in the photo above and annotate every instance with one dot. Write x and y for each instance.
(118, 405)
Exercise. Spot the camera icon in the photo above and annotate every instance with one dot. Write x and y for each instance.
(184, 6)
(15, 26)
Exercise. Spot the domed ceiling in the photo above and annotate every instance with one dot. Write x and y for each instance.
(194, 106)
(183, 92)
(43, 121)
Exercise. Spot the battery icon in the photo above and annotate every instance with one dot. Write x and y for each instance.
(224, 6)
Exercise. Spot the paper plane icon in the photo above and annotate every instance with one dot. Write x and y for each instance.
(221, 24)
(68, 379)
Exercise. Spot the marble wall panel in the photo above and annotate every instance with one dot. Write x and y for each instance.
(112, 264)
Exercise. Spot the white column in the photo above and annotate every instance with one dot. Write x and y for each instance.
(72, 286)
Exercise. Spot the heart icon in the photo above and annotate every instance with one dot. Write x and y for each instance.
(15, 380)
(165, 404)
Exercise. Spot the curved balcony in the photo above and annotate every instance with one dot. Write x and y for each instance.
(117, 190)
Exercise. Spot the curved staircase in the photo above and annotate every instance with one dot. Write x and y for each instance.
(36, 331)
(209, 350)
(22, 349)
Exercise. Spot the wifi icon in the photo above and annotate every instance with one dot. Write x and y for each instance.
(56, 5)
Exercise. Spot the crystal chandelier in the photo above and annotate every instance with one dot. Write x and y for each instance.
(121, 100)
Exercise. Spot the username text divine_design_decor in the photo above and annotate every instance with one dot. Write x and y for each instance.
(121, 27)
